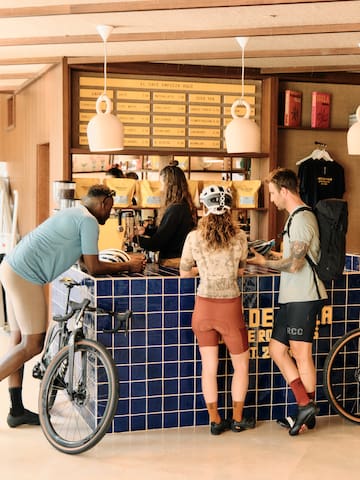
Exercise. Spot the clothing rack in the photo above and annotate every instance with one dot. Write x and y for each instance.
(320, 153)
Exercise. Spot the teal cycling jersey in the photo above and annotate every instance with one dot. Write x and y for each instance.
(55, 245)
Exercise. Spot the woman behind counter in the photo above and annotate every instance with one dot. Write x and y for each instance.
(177, 217)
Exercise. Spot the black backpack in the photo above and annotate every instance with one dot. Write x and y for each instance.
(332, 217)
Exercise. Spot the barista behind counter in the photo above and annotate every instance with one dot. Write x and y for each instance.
(177, 217)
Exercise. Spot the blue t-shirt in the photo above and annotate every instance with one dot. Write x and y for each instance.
(55, 245)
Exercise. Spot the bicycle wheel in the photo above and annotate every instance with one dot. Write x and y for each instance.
(74, 421)
(342, 376)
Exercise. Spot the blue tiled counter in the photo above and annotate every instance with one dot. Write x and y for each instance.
(158, 361)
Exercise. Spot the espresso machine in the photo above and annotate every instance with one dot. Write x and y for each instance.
(128, 220)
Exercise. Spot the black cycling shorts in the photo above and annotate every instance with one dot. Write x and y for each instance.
(296, 321)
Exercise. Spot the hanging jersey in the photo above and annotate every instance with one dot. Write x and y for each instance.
(320, 179)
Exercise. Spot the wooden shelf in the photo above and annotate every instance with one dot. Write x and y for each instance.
(281, 127)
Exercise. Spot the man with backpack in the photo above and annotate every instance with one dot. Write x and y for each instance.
(301, 297)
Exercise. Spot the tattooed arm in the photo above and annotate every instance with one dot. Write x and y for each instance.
(291, 264)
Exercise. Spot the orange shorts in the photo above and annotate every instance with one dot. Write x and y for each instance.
(214, 318)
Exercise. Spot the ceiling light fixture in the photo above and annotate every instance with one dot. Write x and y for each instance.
(105, 131)
(353, 136)
(242, 135)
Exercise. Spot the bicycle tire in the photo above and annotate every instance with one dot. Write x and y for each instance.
(77, 423)
(341, 378)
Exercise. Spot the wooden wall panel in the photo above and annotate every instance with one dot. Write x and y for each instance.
(39, 120)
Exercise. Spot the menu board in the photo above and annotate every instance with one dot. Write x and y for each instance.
(166, 113)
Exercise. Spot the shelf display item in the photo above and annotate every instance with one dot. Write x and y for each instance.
(150, 193)
(320, 110)
(247, 193)
(292, 108)
(82, 185)
(124, 188)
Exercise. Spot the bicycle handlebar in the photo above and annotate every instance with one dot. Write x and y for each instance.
(74, 307)
(121, 318)
(70, 282)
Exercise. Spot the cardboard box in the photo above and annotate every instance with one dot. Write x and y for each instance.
(320, 110)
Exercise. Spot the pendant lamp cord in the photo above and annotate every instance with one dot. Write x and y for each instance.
(105, 68)
(242, 70)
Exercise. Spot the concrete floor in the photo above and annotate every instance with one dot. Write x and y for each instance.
(331, 451)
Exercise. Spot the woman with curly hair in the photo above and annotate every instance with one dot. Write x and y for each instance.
(177, 217)
(217, 251)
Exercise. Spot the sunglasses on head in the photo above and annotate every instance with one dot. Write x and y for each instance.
(112, 193)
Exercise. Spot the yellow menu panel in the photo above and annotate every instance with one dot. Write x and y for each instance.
(169, 97)
(168, 108)
(136, 130)
(168, 142)
(169, 113)
(208, 121)
(204, 132)
(169, 131)
(169, 120)
(205, 110)
(134, 118)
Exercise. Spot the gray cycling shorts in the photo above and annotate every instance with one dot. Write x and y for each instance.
(296, 321)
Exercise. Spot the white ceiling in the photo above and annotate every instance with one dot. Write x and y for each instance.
(284, 36)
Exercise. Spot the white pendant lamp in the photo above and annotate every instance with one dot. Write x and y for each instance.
(353, 136)
(105, 131)
(242, 135)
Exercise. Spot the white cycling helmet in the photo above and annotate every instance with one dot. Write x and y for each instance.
(113, 255)
(217, 199)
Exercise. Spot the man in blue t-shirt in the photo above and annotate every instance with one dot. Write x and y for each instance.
(40, 257)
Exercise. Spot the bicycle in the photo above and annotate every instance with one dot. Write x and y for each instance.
(341, 378)
(79, 388)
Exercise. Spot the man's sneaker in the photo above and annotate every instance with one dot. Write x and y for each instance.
(218, 428)
(27, 418)
(288, 422)
(244, 424)
(305, 413)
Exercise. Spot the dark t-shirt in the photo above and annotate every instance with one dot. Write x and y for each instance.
(320, 179)
(170, 236)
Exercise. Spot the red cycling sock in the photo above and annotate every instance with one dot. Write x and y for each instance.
(213, 412)
(299, 391)
(238, 411)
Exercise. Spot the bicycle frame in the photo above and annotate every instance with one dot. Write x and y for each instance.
(76, 335)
